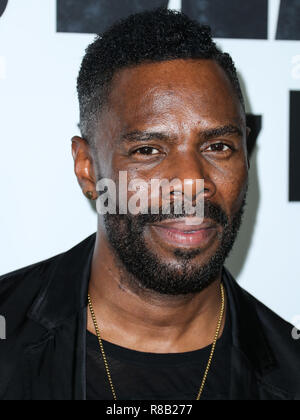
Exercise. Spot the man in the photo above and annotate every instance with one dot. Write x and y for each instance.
(145, 309)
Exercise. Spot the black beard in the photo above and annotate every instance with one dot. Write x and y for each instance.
(148, 271)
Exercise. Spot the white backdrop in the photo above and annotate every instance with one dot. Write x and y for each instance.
(42, 210)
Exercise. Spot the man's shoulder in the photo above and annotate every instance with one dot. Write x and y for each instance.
(269, 343)
(26, 282)
(31, 270)
(272, 322)
(282, 337)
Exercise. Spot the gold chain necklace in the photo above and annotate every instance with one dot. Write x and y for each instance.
(209, 360)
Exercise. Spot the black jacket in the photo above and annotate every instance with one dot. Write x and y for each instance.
(43, 357)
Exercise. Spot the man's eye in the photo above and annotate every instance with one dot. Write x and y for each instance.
(218, 147)
(149, 151)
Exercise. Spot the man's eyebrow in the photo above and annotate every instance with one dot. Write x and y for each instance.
(136, 136)
(221, 131)
(143, 136)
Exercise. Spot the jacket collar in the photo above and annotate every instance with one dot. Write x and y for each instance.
(65, 295)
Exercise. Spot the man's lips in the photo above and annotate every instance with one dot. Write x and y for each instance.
(179, 233)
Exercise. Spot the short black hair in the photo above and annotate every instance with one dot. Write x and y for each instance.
(152, 36)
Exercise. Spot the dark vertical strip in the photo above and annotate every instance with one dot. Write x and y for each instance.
(3, 5)
(231, 18)
(254, 122)
(289, 20)
(95, 16)
(294, 193)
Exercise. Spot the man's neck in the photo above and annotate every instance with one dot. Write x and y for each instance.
(144, 321)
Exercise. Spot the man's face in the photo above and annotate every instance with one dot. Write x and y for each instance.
(175, 120)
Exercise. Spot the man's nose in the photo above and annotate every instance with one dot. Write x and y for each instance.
(190, 169)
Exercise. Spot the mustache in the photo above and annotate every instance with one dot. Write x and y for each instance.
(212, 211)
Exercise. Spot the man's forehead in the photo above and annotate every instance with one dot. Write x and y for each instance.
(190, 90)
(170, 80)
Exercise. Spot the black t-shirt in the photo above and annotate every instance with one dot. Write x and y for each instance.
(151, 376)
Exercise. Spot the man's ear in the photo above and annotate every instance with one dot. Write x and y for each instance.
(84, 168)
(248, 132)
